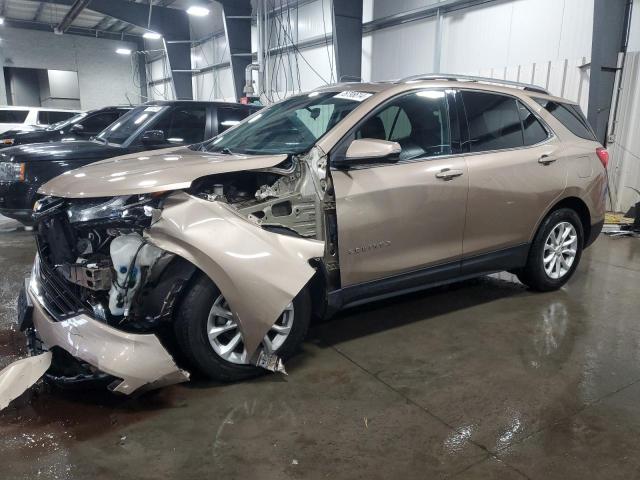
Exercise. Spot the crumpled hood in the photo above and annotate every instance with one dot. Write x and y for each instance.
(172, 168)
(67, 151)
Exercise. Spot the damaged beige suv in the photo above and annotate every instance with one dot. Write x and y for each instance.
(213, 258)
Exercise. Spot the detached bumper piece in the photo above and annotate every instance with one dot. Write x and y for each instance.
(139, 360)
(61, 322)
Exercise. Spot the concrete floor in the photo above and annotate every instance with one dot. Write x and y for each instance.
(479, 380)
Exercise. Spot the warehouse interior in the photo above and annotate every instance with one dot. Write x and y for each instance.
(483, 377)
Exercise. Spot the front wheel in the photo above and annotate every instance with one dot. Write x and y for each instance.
(555, 252)
(210, 338)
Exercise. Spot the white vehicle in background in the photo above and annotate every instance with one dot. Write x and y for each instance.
(31, 118)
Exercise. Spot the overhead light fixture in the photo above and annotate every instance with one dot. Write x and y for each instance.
(198, 11)
(123, 51)
(1, 20)
(152, 35)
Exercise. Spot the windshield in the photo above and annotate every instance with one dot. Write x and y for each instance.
(291, 126)
(120, 131)
(65, 123)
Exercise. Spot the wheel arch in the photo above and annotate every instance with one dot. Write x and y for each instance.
(577, 205)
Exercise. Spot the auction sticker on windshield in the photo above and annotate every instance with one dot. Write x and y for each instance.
(353, 95)
(153, 109)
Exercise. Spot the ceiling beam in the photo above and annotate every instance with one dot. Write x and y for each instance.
(72, 14)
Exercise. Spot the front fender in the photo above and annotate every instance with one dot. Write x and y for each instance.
(258, 272)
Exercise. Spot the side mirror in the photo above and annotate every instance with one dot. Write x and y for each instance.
(369, 151)
(153, 137)
(77, 128)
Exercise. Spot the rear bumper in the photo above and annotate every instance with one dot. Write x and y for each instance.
(139, 360)
(595, 231)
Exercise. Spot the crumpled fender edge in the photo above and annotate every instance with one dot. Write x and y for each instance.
(258, 272)
(17, 377)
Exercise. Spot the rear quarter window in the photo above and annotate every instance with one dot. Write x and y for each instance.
(570, 116)
(13, 116)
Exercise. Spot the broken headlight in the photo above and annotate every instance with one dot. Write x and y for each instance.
(138, 209)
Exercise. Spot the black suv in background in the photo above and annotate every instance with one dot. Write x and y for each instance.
(79, 127)
(154, 125)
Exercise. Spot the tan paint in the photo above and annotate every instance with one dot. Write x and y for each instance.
(258, 272)
(16, 378)
(418, 217)
(137, 359)
(168, 169)
(372, 148)
(507, 192)
(391, 219)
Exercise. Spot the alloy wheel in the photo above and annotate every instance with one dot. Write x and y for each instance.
(560, 250)
(226, 339)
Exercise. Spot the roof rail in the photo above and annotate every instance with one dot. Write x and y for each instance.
(469, 78)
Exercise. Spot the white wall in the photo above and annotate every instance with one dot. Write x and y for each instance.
(634, 37)
(540, 41)
(104, 77)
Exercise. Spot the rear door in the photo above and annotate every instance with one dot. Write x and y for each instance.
(403, 217)
(515, 172)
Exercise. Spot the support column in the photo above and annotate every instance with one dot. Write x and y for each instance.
(347, 34)
(237, 26)
(609, 33)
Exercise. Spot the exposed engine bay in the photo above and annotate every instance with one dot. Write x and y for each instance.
(125, 261)
(99, 245)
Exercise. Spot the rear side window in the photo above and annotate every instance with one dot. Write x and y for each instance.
(570, 116)
(13, 116)
(184, 125)
(532, 129)
(494, 121)
(48, 118)
(228, 117)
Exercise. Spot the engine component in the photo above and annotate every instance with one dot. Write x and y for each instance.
(92, 275)
(130, 254)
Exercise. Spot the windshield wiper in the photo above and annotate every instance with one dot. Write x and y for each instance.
(101, 140)
(226, 151)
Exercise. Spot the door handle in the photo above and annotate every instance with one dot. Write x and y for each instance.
(546, 160)
(448, 174)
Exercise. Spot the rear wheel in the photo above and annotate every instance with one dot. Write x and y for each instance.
(210, 338)
(555, 252)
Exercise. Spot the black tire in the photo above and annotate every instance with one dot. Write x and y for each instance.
(190, 330)
(533, 275)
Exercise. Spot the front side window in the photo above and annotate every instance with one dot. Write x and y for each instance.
(418, 121)
(120, 131)
(292, 126)
(13, 116)
(183, 124)
(570, 116)
(67, 123)
(494, 121)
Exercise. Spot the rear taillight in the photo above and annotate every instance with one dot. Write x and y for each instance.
(603, 155)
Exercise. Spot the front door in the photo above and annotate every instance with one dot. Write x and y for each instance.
(406, 216)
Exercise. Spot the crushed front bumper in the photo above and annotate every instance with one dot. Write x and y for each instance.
(139, 360)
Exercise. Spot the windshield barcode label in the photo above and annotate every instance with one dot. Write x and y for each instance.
(353, 95)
